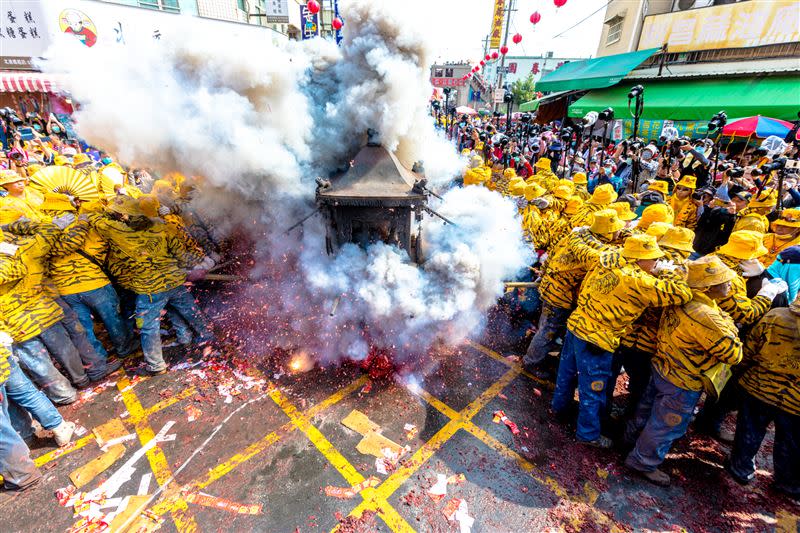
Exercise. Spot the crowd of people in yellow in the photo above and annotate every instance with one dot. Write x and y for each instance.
(84, 243)
(619, 290)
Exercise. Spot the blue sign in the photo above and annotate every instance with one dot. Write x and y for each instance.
(338, 33)
(309, 22)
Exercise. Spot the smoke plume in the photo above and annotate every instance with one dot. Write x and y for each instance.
(256, 129)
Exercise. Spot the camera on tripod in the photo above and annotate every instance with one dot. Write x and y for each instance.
(717, 122)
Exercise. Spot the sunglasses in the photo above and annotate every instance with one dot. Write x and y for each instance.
(682, 189)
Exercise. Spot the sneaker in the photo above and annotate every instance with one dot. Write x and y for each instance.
(656, 477)
(600, 442)
(156, 372)
(111, 367)
(32, 481)
(62, 433)
(741, 480)
(68, 401)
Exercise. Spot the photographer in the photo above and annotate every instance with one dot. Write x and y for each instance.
(695, 161)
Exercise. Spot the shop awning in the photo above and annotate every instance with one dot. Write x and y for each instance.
(533, 105)
(593, 73)
(777, 97)
(26, 82)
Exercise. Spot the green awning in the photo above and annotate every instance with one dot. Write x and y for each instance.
(776, 97)
(593, 73)
(533, 105)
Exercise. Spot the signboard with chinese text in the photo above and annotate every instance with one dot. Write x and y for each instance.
(309, 23)
(739, 25)
(499, 94)
(23, 33)
(448, 82)
(277, 11)
(497, 24)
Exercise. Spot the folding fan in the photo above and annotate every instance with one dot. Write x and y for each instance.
(80, 184)
(110, 178)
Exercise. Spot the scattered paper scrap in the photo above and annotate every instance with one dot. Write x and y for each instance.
(366, 389)
(134, 505)
(439, 489)
(80, 431)
(84, 474)
(411, 431)
(345, 493)
(112, 429)
(193, 413)
(374, 443)
(144, 484)
(89, 525)
(500, 416)
(359, 422)
(206, 500)
(450, 508)
(118, 440)
(463, 518)
(146, 522)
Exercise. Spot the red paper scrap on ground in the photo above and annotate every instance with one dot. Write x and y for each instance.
(450, 508)
(501, 416)
(345, 493)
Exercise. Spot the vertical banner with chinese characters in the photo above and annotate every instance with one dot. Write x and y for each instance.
(497, 24)
(739, 25)
(338, 33)
(309, 22)
(24, 33)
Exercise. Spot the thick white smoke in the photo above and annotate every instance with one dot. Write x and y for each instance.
(258, 132)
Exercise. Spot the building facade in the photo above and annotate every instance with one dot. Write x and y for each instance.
(520, 67)
(474, 92)
(623, 21)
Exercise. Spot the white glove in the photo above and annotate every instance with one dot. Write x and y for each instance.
(576, 229)
(6, 248)
(206, 264)
(541, 203)
(664, 266)
(751, 268)
(61, 222)
(163, 211)
(5, 339)
(771, 288)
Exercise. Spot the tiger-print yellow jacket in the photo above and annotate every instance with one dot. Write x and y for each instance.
(615, 294)
(71, 272)
(147, 261)
(25, 308)
(772, 355)
(576, 254)
(5, 367)
(744, 311)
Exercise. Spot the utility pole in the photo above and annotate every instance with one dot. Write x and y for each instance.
(509, 10)
(485, 51)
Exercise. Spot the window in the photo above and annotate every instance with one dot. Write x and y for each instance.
(242, 4)
(161, 5)
(614, 30)
(438, 73)
(448, 73)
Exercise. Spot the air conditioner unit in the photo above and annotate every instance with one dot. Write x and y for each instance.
(683, 5)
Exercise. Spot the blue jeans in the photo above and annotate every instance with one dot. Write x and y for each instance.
(751, 426)
(104, 304)
(183, 332)
(94, 363)
(16, 465)
(148, 317)
(552, 324)
(35, 359)
(26, 400)
(662, 418)
(589, 368)
(637, 365)
(59, 344)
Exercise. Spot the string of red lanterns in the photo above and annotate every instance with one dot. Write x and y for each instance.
(559, 3)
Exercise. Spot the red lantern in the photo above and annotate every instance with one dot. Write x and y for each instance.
(488, 57)
(517, 38)
(559, 3)
(337, 24)
(536, 17)
(504, 50)
(495, 55)
(313, 7)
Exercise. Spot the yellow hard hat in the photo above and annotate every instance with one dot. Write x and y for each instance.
(124, 205)
(509, 173)
(476, 161)
(9, 176)
(567, 183)
(641, 246)
(678, 238)
(658, 229)
(517, 188)
(603, 195)
(60, 161)
(573, 204)
(623, 209)
(580, 178)
(81, 159)
(606, 221)
(690, 182)
(542, 163)
(563, 192)
(659, 186)
(56, 202)
(533, 191)
(744, 244)
(767, 198)
(789, 218)
(708, 271)
(655, 213)
(149, 205)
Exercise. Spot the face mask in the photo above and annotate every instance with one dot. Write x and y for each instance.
(37, 127)
(106, 160)
(56, 129)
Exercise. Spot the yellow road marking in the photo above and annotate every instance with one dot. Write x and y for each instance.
(496, 356)
(224, 468)
(58, 453)
(168, 402)
(786, 522)
(158, 462)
